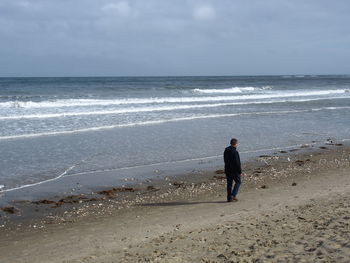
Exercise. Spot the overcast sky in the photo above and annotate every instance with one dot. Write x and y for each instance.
(173, 37)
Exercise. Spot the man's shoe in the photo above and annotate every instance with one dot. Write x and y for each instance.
(234, 199)
(229, 200)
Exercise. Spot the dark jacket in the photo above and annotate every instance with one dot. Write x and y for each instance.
(232, 161)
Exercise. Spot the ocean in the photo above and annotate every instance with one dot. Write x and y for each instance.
(135, 128)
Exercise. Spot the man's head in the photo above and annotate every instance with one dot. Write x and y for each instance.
(234, 142)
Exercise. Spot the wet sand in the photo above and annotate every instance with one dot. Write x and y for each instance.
(292, 208)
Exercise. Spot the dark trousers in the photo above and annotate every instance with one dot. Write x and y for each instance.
(230, 178)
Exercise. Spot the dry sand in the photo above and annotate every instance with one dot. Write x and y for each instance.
(290, 209)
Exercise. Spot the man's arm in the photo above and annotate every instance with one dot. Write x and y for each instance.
(226, 157)
(238, 162)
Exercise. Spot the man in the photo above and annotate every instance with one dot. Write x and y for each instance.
(233, 170)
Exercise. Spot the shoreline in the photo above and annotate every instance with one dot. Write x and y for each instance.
(64, 175)
(32, 190)
(54, 208)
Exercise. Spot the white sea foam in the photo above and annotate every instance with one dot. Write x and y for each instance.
(155, 122)
(42, 182)
(230, 90)
(150, 109)
(128, 101)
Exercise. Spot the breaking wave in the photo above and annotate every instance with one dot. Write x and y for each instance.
(231, 90)
(149, 109)
(157, 100)
(155, 122)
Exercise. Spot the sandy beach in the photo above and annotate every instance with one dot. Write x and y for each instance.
(292, 208)
(119, 120)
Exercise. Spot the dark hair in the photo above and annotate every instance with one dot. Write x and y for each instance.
(233, 141)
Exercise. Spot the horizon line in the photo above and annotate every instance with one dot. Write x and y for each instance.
(170, 76)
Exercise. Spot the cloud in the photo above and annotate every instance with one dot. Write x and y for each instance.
(173, 37)
(204, 12)
(120, 8)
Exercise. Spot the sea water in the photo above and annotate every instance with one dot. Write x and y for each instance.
(51, 128)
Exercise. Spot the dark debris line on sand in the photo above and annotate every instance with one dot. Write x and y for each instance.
(10, 209)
